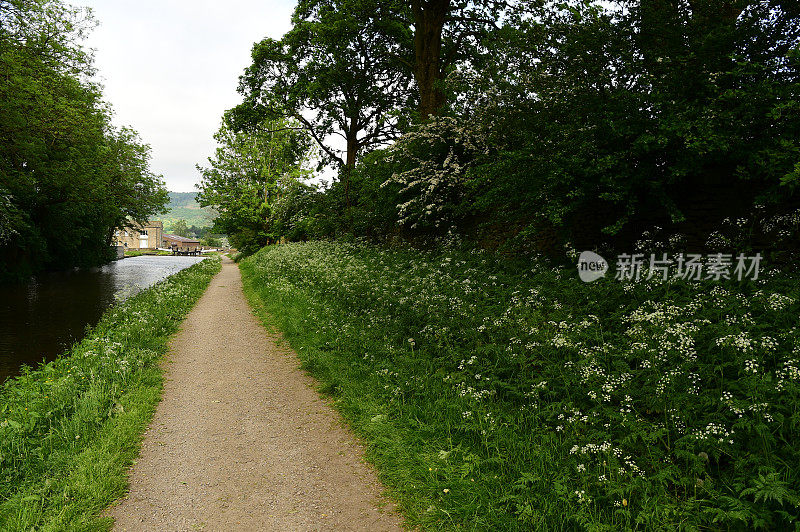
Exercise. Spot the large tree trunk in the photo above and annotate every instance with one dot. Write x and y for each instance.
(350, 159)
(429, 19)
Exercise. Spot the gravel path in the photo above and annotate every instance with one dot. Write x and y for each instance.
(242, 441)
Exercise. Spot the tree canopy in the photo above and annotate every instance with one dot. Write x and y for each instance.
(247, 177)
(68, 178)
(538, 126)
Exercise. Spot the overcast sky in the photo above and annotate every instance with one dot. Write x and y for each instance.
(170, 68)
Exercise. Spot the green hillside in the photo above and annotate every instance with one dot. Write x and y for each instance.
(182, 206)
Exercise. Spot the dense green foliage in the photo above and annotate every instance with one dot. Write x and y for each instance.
(70, 429)
(67, 177)
(353, 91)
(499, 396)
(649, 113)
(249, 174)
(543, 125)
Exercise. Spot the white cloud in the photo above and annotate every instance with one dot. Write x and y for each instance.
(170, 69)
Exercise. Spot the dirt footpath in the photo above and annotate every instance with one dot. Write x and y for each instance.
(241, 440)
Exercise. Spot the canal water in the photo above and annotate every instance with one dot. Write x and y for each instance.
(45, 316)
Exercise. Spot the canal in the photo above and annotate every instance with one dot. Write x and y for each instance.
(45, 316)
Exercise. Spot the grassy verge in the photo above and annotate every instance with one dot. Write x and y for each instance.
(499, 397)
(69, 429)
(137, 253)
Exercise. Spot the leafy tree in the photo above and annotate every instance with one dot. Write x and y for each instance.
(211, 241)
(440, 37)
(246, 177)
(67, 178)
(541, 123)
(336, 74)
(180, 228)
(588, 123)
(302, 212)
(446, 32)
(137, 193)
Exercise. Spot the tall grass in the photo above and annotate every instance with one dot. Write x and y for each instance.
(515, 397)
(69, 429)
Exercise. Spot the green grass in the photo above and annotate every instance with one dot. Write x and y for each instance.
(69, 429)
(498, 396)
(137, 253)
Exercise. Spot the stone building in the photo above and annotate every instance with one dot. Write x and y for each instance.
(180, 243)
(136, 236)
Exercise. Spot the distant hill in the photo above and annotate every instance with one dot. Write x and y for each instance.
(182, 206)
(183, 199)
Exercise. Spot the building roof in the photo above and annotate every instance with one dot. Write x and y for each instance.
(181, 239)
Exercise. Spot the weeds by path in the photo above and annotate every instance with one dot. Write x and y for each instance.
(500, 398)
(69, 429)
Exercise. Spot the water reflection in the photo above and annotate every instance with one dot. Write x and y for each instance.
(44, 317)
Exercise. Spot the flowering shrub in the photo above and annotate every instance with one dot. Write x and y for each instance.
(436, 157)
(502, 396)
